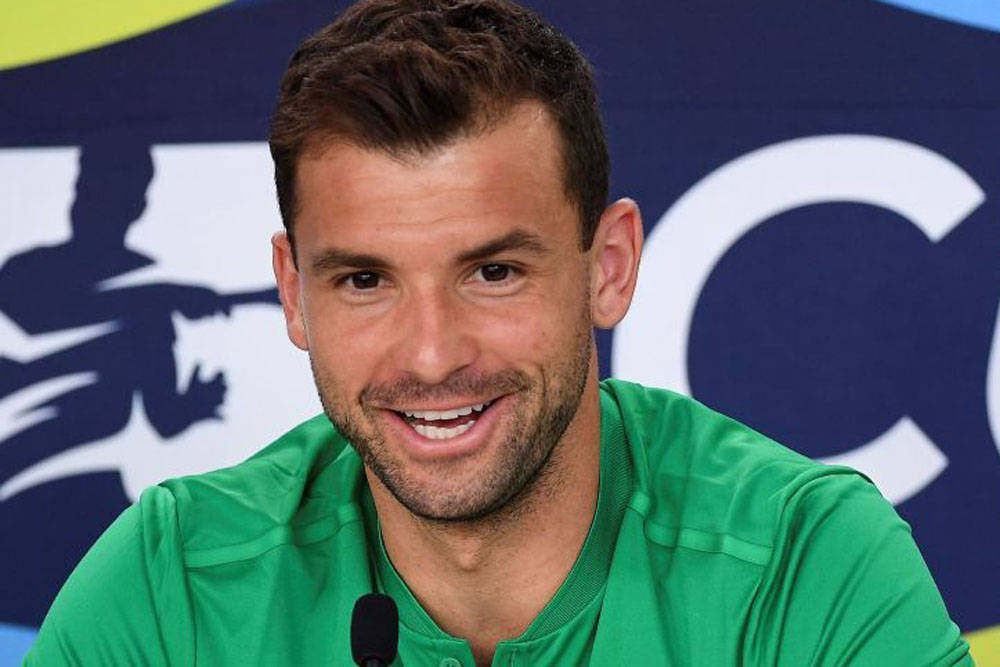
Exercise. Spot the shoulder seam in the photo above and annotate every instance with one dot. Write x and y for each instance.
(319, 530)
(680, 537)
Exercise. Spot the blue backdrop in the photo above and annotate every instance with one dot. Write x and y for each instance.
(820, 182)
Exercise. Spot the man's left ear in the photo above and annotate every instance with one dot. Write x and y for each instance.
(615, 262)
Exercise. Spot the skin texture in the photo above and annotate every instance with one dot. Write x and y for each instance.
(450, 279)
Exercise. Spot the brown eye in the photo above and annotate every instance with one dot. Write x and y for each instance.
(495, 272)
(364, 280)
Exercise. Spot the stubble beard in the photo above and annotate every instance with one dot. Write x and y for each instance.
(527, 461)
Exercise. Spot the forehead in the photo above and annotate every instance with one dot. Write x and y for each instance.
(511, 174)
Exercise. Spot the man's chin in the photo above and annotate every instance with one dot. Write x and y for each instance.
(457, 510)
(475, 494)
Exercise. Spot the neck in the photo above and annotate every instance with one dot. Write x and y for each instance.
(463, 573)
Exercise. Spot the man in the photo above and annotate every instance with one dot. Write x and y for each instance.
(442, 175)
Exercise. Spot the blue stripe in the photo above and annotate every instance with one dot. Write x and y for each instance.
(14, 643)
(977, 13)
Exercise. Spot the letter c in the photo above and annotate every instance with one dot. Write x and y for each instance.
(933, 193)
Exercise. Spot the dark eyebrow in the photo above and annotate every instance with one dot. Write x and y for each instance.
(515, 240)
(332, 259)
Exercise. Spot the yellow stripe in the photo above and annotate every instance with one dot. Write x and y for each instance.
(35, 30)
(985, 646)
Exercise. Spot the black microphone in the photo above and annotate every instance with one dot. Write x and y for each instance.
(374, 630)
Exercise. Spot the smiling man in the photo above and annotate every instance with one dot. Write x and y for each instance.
(445, 304)
(442, 175)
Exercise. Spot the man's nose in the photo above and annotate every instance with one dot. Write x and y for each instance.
(435, 336)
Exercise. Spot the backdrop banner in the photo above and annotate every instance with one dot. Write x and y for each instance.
(821, 187)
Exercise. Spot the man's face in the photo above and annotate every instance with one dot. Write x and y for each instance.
(444, 301)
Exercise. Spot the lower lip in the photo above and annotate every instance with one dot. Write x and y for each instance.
(429, 450)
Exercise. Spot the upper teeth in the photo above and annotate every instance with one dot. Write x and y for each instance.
(434, 415)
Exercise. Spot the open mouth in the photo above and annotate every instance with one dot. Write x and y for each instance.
(443, 424)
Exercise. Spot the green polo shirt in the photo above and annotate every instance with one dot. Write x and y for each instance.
(710, 545)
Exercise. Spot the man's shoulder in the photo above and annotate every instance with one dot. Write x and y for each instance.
(137, 578)
(679, 436)
(292, 481)
(715, 479)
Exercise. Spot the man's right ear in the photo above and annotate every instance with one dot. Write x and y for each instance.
(287, 276)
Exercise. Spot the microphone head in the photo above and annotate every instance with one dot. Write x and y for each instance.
(374, 629)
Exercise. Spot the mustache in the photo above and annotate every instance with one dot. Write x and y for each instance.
(460, 384)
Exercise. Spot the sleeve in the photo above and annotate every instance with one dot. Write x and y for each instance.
(126, 602)
(846, 585)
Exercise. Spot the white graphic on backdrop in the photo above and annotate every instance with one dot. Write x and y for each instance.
(36, 190)
(208, 221)
(651, 344)
(993, 384)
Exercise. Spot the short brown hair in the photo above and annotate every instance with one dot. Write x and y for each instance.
(409, 76)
